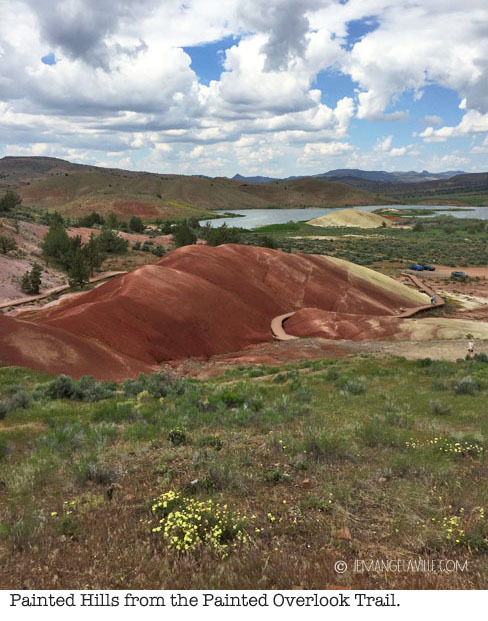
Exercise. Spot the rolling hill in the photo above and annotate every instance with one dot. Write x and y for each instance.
(75, 189)
(78, 189)
(167, 311)
(463, 188)
(352, 218)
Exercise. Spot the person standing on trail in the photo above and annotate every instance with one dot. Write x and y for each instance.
(470, 349)
(432, 299)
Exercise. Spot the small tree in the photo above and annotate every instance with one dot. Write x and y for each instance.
(183, 235)
(136, 225)
(268, 242)
(110, 242)
(91, 219)
(31, 280)
(9, 201)
(7, 244)
(112, 221)
(57, 244)
(80, 271)
(216, 236)
(93, 255)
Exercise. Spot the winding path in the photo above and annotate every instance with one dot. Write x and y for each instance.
(277, 329)
(53, 291)
(421, 286)
(279, 333)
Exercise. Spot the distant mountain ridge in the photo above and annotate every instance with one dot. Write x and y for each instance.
(77, 189)
(382, 176)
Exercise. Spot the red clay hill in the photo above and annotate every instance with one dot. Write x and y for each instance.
(196, 301)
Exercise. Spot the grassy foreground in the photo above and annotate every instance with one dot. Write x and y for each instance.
(261, 478)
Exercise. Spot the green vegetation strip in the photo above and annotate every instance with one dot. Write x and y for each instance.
(262, 476)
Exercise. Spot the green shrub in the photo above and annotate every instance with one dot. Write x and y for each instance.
(85, 389)
(438, 368)
(439, 385)
(212, 442)
(220, 475)
(5, 408)
(7, 244)
(276, 476)
(323, 445)
(90, 469)
(132, 387)
(60, 388)
(157, 385)
(230, 397)
(177, 437)
(466, 386)
(437, 407)
(377, 433)
(332, 375)
(303, 395)
(3, 449)
(89, 390)
(20, 400)
(204, 405)
(352, 386)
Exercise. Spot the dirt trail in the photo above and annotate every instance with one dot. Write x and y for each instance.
(54, 290)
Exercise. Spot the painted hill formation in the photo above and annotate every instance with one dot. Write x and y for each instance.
(196, 301)
(329, 325)
(351, 218)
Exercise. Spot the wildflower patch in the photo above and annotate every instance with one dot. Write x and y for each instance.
(446, 445)
(465, 529)
(187, 524)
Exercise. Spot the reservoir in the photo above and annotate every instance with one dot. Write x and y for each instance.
(253, 218)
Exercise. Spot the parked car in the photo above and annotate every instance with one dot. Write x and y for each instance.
(428, 267)
(416, 268)
(459, 275)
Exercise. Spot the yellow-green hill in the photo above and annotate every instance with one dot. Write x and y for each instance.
(351, 218)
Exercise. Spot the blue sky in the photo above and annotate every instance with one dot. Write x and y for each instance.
(282, 88)
(207, 59)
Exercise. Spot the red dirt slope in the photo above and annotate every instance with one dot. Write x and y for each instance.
(51, 350)
(316, 322)
(201, 301)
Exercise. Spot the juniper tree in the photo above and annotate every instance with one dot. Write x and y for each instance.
(136, 225)
(93, 256)
(57, 244)
(79, 273)
(7, 244)
(183, 235)
(10, 200)
(31, 280)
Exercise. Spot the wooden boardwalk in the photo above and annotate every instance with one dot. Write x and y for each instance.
(279, 333)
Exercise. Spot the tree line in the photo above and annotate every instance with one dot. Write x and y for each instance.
(80, 259)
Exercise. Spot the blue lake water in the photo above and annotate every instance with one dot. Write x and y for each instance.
(253, 218)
